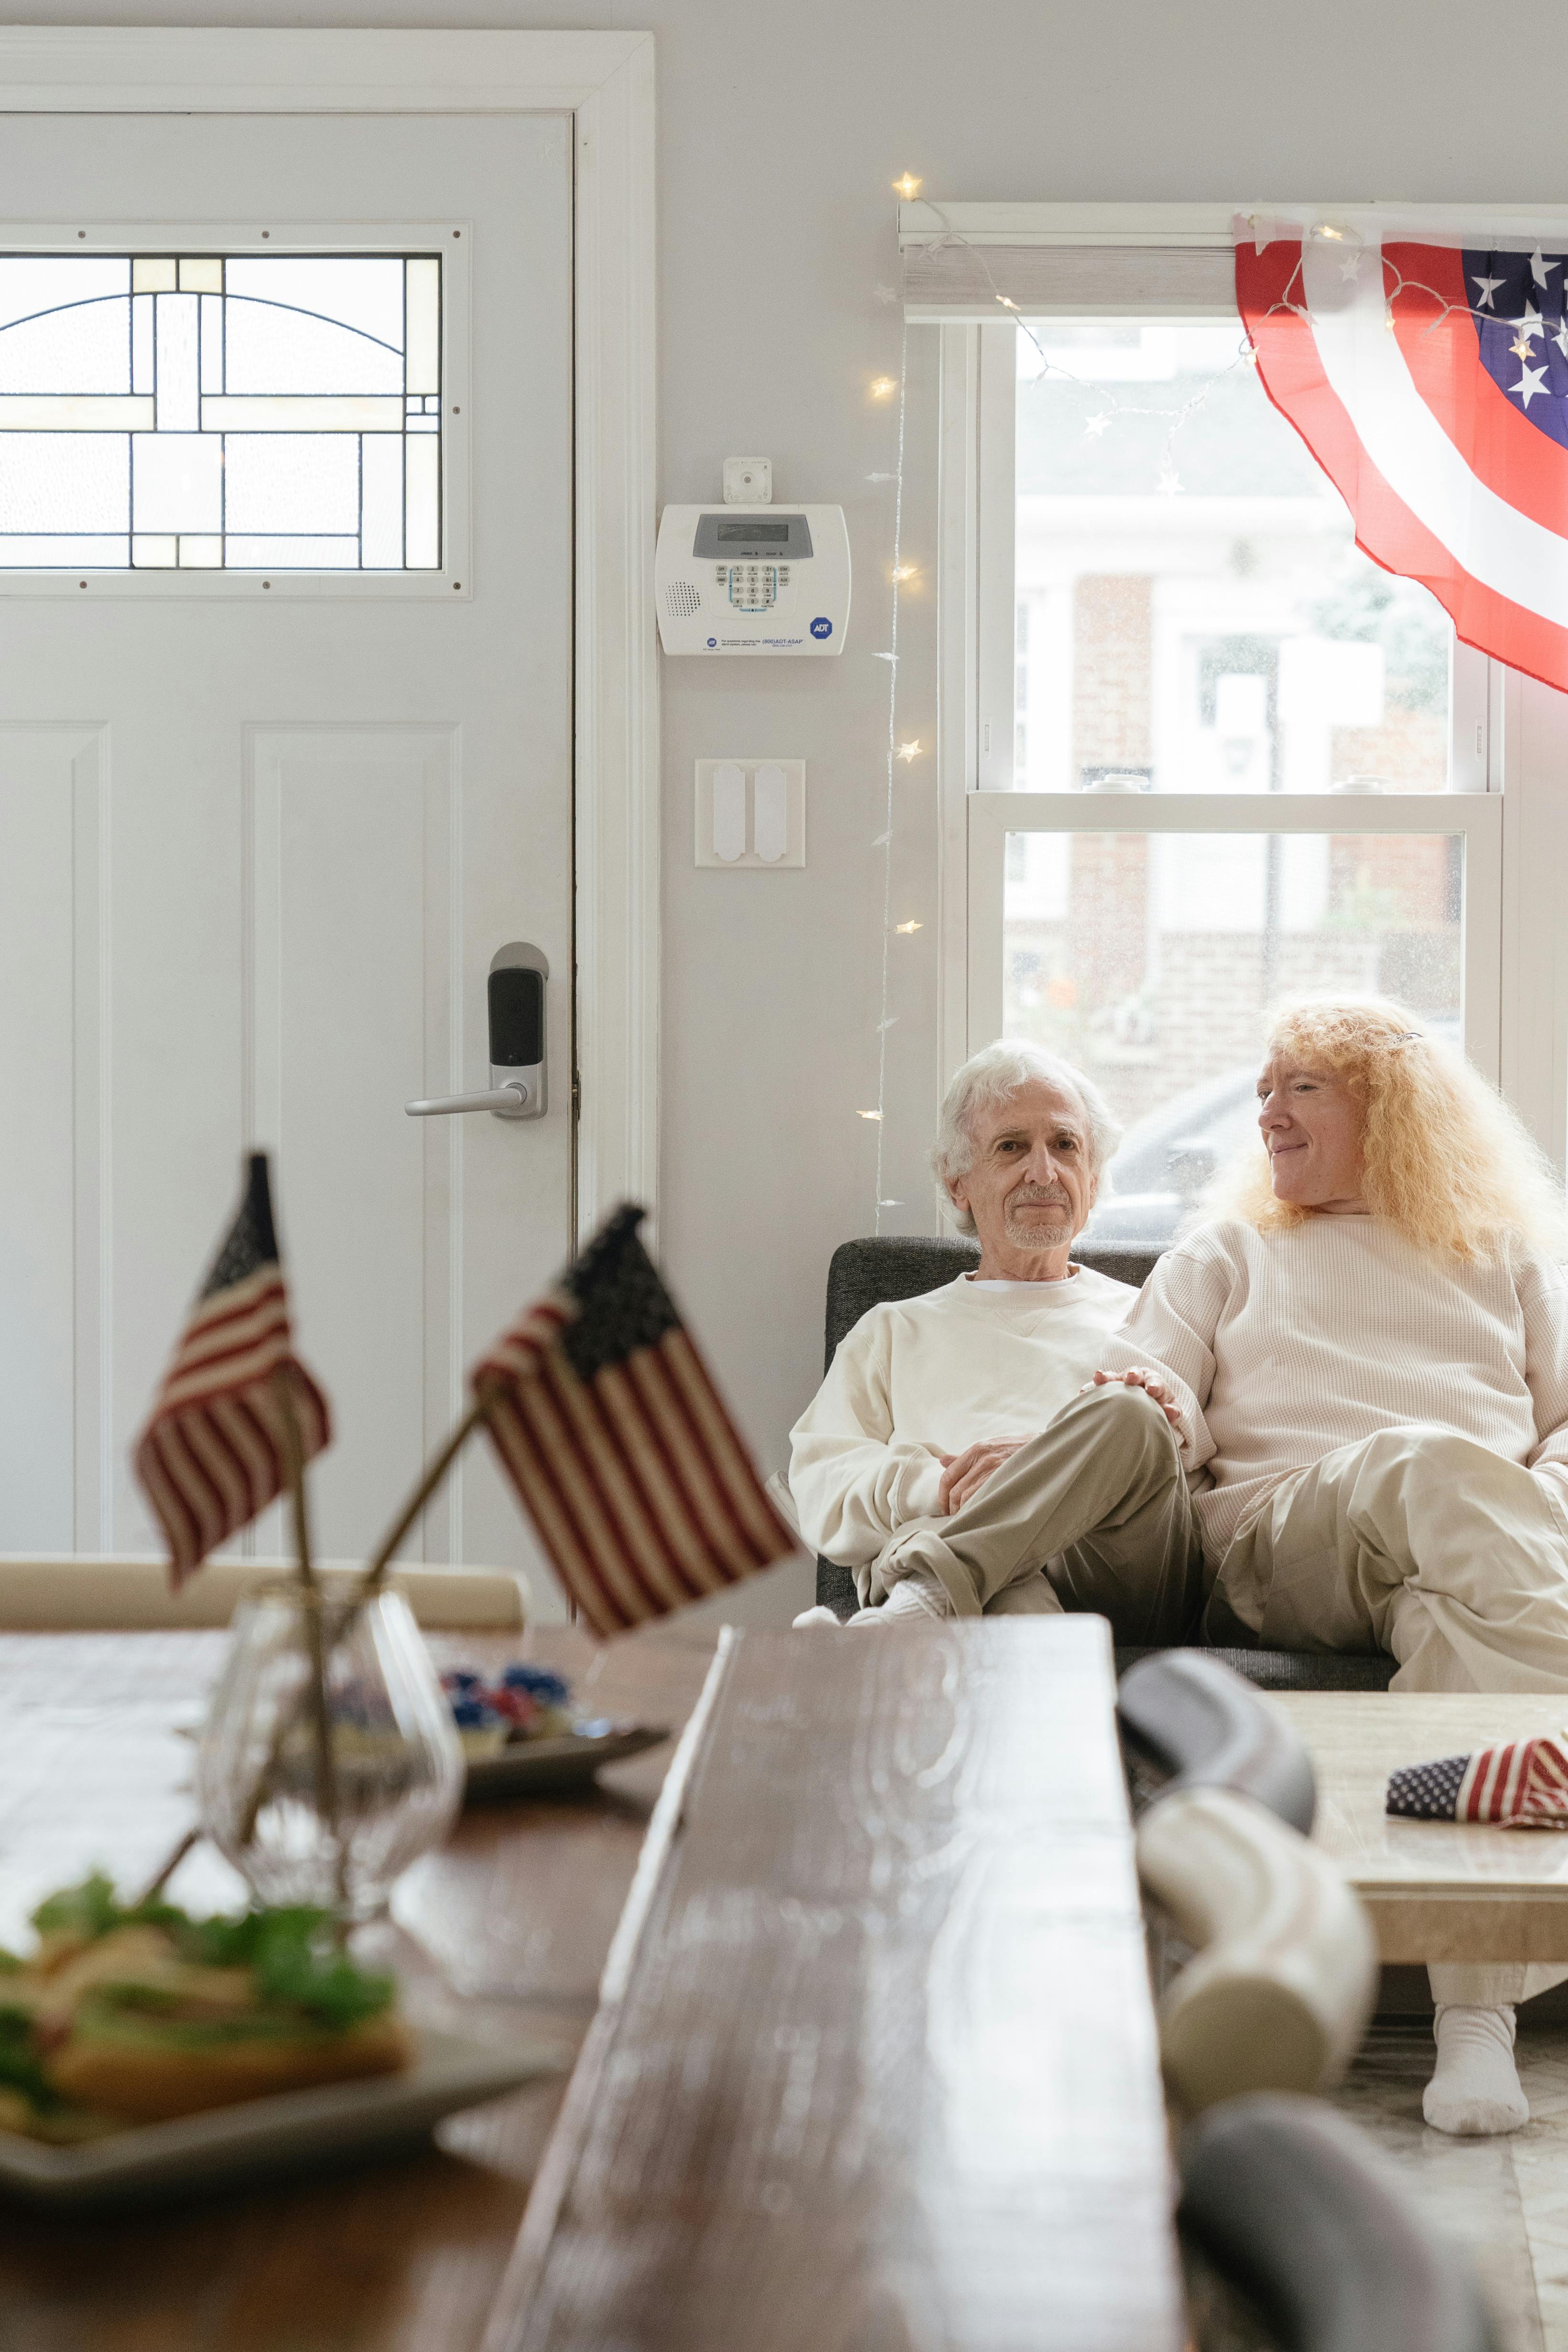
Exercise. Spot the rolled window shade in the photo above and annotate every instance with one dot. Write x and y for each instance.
(1072, 281)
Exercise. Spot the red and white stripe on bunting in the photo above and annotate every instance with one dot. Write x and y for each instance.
(1430, 382)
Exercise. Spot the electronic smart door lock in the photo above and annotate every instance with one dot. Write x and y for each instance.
(515, 991)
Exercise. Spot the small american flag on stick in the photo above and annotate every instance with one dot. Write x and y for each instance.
(217, 1448)
(608, 1426)
(1524, 1786)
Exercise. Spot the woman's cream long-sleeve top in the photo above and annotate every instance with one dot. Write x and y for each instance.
(920, 1377)
(1282, 1346)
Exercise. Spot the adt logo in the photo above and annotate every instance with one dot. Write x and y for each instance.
(822, 626)
(712, 643)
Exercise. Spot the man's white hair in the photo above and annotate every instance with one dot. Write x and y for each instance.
(987, 1078)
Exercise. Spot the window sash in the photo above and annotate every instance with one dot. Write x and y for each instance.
(1478, 817)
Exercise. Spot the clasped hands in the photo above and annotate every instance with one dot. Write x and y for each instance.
(963, 1475)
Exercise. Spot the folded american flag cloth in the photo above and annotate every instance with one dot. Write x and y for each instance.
(1524, 1786)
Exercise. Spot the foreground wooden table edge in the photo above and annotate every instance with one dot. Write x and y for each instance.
(565, 2143)
(595, 2262)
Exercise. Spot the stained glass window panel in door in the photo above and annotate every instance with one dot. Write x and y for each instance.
(206, 412)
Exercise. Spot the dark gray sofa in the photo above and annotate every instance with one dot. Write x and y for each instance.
(863, 1274)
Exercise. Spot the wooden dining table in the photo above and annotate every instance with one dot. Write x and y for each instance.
(875, 2063)
(503, 1934)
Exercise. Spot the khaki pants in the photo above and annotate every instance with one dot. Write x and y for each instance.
(1413, 1541)
(1416, 1542)
(1093, 1513)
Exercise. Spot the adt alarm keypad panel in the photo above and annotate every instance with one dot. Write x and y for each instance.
(767, 582)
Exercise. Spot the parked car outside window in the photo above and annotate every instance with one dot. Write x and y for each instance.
(1168, 1158)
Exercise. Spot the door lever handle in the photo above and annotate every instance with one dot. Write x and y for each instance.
(514, 994)
(507, 1102)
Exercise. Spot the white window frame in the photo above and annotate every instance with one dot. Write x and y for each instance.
(1476, 816)
(604, 81)
(1510, 734)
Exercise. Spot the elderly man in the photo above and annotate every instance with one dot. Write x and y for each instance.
(926, 1398)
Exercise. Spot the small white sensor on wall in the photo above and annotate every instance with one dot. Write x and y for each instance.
(751, 813)
(748, 481)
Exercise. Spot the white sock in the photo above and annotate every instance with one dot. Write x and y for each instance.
(1475, 2087)
(918, 1597)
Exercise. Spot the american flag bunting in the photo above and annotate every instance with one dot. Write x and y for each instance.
(1429, 376)
(213, 1453)
(1524, 1786)
(608, 1425)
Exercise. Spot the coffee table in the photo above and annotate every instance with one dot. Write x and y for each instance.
(1435, 1890)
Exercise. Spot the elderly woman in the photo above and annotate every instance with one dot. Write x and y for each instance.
(1364, 1368)
(926, 1397)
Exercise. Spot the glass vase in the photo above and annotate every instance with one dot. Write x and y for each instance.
(327, 1810)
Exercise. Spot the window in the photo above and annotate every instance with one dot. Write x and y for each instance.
(206, 411)
(1239, 761)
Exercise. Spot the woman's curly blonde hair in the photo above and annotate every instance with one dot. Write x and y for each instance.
(1444, 1158)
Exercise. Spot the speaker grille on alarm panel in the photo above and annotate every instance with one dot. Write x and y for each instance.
(681, 600)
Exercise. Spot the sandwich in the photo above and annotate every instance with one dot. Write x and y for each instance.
(138, 2014)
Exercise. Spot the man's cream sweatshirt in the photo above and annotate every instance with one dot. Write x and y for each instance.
(921, 1377)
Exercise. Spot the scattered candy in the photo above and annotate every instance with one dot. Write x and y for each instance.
(525, 1703)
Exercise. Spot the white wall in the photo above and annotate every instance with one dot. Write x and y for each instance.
(781, 129)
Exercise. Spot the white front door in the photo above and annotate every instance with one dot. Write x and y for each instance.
(285, 759)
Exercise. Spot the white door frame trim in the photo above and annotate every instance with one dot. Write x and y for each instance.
(605, 80)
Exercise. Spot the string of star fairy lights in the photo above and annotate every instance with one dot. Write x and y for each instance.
(1110, 404)
(887, 1019)
(1484, 312)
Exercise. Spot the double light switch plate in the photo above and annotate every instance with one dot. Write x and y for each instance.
(751, 813)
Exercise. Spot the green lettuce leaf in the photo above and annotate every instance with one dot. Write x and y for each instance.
(93, 1909)
(19, 2067)
(295, 1961)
